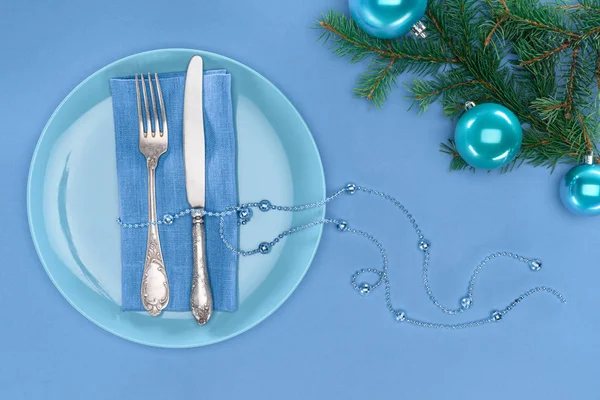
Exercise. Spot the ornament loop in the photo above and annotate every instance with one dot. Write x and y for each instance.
(589, 157)
(418, 30)
(469, 105)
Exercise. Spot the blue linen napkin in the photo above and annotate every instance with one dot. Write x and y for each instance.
(221, 191)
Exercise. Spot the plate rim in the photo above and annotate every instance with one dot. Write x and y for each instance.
(32, 229)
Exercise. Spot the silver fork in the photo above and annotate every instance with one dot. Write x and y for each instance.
(153, 143)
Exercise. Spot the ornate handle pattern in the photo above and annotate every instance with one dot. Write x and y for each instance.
(201, 297)
(155, 285)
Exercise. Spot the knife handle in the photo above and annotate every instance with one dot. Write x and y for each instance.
(201, 297)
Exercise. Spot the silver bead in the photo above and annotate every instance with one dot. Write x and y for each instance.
(466, 302)
(496, 315)
(424, 244)
(364, 288)
(351, 188)
(264, 248)
(535, 265)
(245, 214)
(264, 205)
(168, 219)
(400, 315)
(342, 226)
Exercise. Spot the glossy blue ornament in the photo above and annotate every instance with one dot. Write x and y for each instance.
(580, 189)
(488, 136)
(387, 19)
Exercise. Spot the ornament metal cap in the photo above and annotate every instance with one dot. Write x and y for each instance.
(469, 105)
(418, 30)
(589, 158)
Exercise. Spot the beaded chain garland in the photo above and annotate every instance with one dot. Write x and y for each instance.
(245, 213)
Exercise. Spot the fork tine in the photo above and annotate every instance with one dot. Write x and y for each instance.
(153, 99)
(148, 126)
(139, 106)
(163, 114)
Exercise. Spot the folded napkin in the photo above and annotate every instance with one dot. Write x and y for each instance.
(221, 191)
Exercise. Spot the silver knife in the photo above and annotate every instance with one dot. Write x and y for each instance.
(195, 185)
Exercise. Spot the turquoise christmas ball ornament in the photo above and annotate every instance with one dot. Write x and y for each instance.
(580, 189)
(488, 136)
(387, 19)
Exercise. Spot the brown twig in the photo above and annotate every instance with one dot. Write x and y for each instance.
(591, 32)
(540, 143)
(440, 90)
(573, 35)
(577, 7)
(571, 83)
(458, 54)
(443, 35)
(505, 6)
(465, 26)
(488, 39)
(537, 24)
(597, 74)
(586, 134)
(386, 53)
(546, 55)
(554, 107)
(541, 125)
(380, 78)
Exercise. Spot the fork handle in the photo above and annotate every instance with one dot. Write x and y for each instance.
(201, 301)
(155, 285)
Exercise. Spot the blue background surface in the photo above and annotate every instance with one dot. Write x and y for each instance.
(325, 341)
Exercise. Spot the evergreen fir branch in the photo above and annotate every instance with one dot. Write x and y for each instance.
(425, 92)
(582, 6)
(351, 40)
(457, 163)
(545, 55)
(388, 58)
(597, 72)
(571, 83)
(496, 26)
(540, 60)
(586, 134)
(378, 81)
(530, 14)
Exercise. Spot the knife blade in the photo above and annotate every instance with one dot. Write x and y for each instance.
(195, 185)
(193, 134)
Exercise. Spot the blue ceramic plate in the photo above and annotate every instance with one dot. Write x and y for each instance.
(73, 205)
